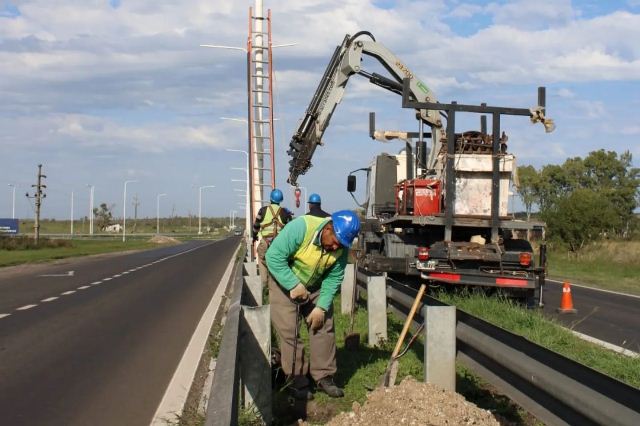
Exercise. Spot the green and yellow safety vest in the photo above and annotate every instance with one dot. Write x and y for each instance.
(310, 261)
(271, 223)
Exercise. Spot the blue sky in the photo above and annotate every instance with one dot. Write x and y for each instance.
(101, 91)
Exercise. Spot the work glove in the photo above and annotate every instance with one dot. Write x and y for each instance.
(315, 320)
(299, 293)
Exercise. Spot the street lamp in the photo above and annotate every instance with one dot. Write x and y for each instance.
(13, 204)
(232, 219)
(91, 208)
(200, 206)
(124, 210)
(71, 231)
(158, 213)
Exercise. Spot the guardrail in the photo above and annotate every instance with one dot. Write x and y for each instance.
(553, 388)
(243, 368)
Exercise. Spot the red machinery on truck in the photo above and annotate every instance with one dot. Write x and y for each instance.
(440, 213)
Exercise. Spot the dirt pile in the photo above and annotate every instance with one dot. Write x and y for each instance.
(414, 403)
(161, 239)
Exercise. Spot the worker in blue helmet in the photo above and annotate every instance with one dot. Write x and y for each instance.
(306, 263)
(314, 206)
(269, 221)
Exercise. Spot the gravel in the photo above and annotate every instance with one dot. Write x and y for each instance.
(414, 403)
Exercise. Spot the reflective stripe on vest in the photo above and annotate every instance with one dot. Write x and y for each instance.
(271, 222)
(310, 262)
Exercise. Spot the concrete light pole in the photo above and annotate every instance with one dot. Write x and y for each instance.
(248, 217)
(71, 214)
(124, 210)
(91, 208)
(13, 204)
(200, 206)
(158, 213)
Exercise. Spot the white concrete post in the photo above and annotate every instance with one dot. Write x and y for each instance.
(346, 291)
(440, 346)
(377, 309)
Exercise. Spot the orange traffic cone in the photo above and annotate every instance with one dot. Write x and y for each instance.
(566, 303)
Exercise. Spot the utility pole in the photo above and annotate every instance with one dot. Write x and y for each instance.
(39, 195)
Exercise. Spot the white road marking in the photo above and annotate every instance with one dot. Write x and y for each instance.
(607, 345)
(596, 289)
(176, 393)
(49, 299)
(96, 283)
(125, 273)
(116, 276)
(83, 287)
(107, 279)
(66, 293)
(4, 315)
(66, 274)
(25, 307)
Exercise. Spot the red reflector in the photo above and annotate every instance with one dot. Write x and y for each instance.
(512, 282)
(444, 276)
(525, 259)
(423, 253)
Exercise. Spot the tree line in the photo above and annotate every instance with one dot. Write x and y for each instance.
(584, 199)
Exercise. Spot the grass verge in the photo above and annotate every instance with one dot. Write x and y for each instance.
(77, 248)
(610, 265)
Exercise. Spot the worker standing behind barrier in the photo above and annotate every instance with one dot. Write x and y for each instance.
(314, 206)
(269, 221)
(306, 264)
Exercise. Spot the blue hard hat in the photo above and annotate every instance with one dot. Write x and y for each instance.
(346, 226)
(314, 198)
(276, 196)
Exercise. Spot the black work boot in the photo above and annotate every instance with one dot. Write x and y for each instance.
(302, 393)
(328, 386)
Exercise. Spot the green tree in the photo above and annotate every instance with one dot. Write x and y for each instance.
(527, 187)
(103, 215)
(581, 217)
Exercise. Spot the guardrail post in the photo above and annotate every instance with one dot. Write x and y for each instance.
(346, 292)
(255, 359)
(252, 291)
(440, 346)
(377, 309)
(250, 269)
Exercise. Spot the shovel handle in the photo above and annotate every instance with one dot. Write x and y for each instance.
(407, 323)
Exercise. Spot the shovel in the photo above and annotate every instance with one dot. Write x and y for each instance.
(392, 368)
(352, 340)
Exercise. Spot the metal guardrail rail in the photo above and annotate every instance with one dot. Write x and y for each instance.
(555, 389)
(224, 400)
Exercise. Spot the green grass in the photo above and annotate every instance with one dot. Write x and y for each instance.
(609, 265)
(532, 325)
(78, 248)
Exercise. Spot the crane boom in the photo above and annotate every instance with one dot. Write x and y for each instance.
(345, 62)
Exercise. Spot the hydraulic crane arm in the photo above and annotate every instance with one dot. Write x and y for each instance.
(345, 62)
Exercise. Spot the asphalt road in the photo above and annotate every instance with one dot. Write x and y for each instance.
(607, 316)
(99, 345)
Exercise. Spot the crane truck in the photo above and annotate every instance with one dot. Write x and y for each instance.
(439, 211)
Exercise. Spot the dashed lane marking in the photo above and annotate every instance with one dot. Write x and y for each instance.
(25, 307)
(116, 276)
(107, 279)
(96, 283)
(49, 299)
(83, 287)
(4, 315)
(66, 293)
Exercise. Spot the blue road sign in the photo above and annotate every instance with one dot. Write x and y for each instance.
(8, 226)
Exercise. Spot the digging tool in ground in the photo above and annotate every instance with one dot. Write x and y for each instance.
(391, 373)
(351, 339)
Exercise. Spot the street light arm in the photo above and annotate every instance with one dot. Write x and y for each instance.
(217, 46)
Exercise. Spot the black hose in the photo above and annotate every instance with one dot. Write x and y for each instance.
(359, 33)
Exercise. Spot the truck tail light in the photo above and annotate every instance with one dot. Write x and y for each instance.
(423, 253)
(525, 258)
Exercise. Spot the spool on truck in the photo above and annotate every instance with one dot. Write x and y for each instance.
(439, 213)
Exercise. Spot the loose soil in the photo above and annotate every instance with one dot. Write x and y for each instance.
(161, 239)
(415, 403)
